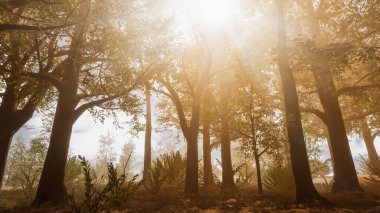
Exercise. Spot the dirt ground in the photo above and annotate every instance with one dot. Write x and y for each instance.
(245, 199)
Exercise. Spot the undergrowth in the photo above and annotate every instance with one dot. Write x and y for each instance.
(117, 190)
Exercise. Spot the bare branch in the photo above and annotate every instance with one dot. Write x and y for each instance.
(7, 27)
(345, 90)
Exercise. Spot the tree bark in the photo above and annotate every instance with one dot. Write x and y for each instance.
(254, 142)
(8, 108)
(207, 166)
(148, 136)
(191, 179)
(51, 187)
(11, 120)
(369, 143)
(345, 178)
(305, 190)
(258, 171)
(225, 140)
(227, 171)
(6, 136)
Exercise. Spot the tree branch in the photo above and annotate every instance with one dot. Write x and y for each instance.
(48, 77)
(7, 27)
(344, 90)
(178, 104)
(321, 115)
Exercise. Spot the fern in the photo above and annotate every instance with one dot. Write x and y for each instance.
(279, 177)
(156, 179)
(117, 190)
(367, 167)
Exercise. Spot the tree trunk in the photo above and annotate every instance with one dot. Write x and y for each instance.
(7, 109)
(6, 135)
(225, 140)
(345, 178)
(207, 166)
(51, 187)
(369, 143)
(227, 171)
(191, 179)
(258, 171)
(148, 136)
(305, 190)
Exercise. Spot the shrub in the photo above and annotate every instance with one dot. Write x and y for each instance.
(25, 165)
(278, 177)
(156, 179)
(117, 190)
(73, 171)
(367, 167)
(168, 169)
(173, 166)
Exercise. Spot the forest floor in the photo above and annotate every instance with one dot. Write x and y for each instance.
(244, 199)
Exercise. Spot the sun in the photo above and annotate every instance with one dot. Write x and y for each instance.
(216, 11)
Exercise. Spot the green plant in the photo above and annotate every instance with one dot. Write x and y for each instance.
(327, 184)
(173, 166)
(25, 165)
(278, 177)
(156, 179)
(167, 169)
(73, 177)
(117, 190)
(367, 167)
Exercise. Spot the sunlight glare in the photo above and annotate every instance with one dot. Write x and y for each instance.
(216, 12)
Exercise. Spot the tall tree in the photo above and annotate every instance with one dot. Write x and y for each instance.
(148, 135)
(29, 53)
(225, 139)
(79, 90)
(345, 178)
(190, 129)
(206, 138)
(305, 190)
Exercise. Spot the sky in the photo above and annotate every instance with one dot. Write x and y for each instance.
(87, 131)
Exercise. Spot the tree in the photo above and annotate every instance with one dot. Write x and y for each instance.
(126, 158)
(190, 129)
(17, 152)
(106, 155)
(345, 178)
(28, 54)
(305, 190)
(325, 59)
(26, 163)
(257, 120)
(225, 139)
(79, 90)
(206, 118)
(148, 135)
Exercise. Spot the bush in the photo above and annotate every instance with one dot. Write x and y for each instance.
(367, 167)
(25, 165)
(156, 179)
(168, 169)
(173, 166)
(117, 190)
(278, 177)
(73, 178)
